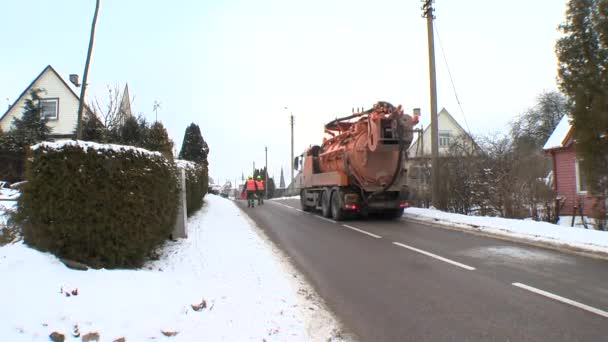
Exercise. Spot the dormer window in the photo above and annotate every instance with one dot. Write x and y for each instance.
(49, 108)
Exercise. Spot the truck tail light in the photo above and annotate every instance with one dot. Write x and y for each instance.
(404, 205)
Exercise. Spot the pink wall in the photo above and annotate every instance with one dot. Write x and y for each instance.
(565, 175)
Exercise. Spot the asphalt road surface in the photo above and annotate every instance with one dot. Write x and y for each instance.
(407, 281)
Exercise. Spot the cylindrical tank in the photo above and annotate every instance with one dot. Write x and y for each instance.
(368, 146)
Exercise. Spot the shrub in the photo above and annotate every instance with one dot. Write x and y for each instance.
(104, 205)
(196, 184)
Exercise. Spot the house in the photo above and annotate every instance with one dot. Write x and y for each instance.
(59, 104)
(569, 186)
(419, 154)
(449, 132)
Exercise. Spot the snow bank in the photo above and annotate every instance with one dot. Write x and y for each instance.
(583, 239)
(224, 263)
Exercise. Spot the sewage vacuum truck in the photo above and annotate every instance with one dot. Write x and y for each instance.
(360, 167)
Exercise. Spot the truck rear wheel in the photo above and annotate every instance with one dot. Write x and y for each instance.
(326, 204)
(337, 212)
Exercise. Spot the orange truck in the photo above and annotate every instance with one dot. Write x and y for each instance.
(360, 167)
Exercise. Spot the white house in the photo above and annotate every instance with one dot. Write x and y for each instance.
(449, 132)
(59, 104)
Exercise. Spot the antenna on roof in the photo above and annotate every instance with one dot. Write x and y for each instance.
(155, 109)
(74, 80)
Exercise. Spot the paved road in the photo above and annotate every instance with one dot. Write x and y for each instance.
(405, 281)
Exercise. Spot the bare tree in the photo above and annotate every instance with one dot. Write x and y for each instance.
(110, 112)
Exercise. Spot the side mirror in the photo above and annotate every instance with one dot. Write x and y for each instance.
(296, 163)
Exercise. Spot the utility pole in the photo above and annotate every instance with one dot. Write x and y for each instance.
(427, 12)
(266, 174)
(292, 150)
(86, 74)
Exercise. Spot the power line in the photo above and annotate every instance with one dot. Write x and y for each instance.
(451, 79)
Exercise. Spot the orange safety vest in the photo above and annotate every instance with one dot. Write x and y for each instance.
(260, 184)
(250, 185)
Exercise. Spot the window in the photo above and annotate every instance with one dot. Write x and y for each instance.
(444, 138)
(49, 108)
(581, 180)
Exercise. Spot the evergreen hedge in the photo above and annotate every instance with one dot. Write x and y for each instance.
(103, 205)
(196, 184)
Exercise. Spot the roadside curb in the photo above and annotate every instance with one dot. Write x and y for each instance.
(503, 234)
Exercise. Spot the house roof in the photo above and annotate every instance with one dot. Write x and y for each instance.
(25, 91)
(560, 136)
(428, 127)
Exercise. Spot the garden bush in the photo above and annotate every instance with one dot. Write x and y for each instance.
(103, 205)
(196, 184)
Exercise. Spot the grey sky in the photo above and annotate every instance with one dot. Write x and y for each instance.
(230, 66)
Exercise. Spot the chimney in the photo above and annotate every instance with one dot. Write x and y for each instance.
(74, 80)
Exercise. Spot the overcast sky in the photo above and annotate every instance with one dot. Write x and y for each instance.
(232, 65)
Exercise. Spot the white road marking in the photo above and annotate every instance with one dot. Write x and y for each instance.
(325, 219)
(562, 299)
(455, 263)
(362, 231)
(285, 205)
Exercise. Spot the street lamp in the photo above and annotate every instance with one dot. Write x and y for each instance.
(291, 160)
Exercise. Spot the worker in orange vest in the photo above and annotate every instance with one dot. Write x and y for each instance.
(250, 188)
(260, 185)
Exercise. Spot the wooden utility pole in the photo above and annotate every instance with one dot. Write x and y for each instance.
(292, 166)
(86, 74)
(427, 12)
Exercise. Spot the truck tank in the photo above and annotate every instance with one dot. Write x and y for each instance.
(362, 160)
(369, 146)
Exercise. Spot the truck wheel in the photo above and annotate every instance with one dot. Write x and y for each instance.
(337, 212)
(326, 204)
(303, 201)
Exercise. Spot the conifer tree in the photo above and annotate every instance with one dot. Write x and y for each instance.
(583, 76)
(158, 140)
(31, 128)
(194, 147)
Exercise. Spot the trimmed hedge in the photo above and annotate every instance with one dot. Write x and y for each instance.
(103, 205)
(196, 184)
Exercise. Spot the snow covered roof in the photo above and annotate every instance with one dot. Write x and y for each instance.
(560, 135)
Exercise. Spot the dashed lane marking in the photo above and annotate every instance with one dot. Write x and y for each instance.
(455, 263)
(325, 219)
(362, 231)
(562, 299)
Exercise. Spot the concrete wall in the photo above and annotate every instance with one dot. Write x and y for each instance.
(180, 231)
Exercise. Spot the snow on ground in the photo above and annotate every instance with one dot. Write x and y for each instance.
(543, 232)
(250, 291)
(9, 194)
